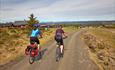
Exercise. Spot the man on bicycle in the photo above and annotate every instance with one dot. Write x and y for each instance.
(59, 37)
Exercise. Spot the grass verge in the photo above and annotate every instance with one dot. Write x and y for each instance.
(101, 47)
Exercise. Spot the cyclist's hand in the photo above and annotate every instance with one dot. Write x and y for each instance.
(64, 37)
(41, 36)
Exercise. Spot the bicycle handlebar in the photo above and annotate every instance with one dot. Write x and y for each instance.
(65, 37)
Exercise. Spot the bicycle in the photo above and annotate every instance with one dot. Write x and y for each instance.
(58, 51)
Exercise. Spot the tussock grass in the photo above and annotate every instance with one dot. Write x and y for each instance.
(10, 41)
(108, 35)
(102, 42)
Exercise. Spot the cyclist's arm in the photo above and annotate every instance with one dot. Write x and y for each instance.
(64, 34)
(40, 34)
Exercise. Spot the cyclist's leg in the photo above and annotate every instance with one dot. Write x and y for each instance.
(39, 49)
(38, 43)
(61, 46)
(37, 46)
(31, 40)
(57, 41)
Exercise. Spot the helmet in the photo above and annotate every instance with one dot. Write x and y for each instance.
(36, 25)
(59, 26)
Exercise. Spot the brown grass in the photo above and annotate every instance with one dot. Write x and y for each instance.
(11, 41)
(108, 35)
(101, 41)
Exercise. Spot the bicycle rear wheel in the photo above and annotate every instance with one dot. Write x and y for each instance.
(58, 52)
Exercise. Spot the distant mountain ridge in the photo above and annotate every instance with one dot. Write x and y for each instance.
(81, 22)
(63, 22)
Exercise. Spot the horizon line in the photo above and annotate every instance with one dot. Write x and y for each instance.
(58, 21)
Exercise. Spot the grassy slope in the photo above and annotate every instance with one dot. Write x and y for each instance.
(107, 37)
(14, 41)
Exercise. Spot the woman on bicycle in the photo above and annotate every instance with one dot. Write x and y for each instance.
(59, 37)
(34, 37)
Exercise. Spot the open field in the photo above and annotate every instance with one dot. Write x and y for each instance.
(75, 56)
(99, 42)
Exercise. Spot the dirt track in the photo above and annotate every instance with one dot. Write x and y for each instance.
(75, 57)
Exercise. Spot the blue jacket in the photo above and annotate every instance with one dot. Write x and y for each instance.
(35, 33)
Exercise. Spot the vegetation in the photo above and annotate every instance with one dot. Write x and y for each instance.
(32, 20)
(108, 35)
(101, 47)
(13, 42)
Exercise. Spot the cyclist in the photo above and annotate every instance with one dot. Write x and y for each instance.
(59, 37)
(33, 37)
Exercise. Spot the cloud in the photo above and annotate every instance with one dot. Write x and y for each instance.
(58, 9)
(7, 9)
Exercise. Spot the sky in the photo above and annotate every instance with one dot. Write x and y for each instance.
(57, 10)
